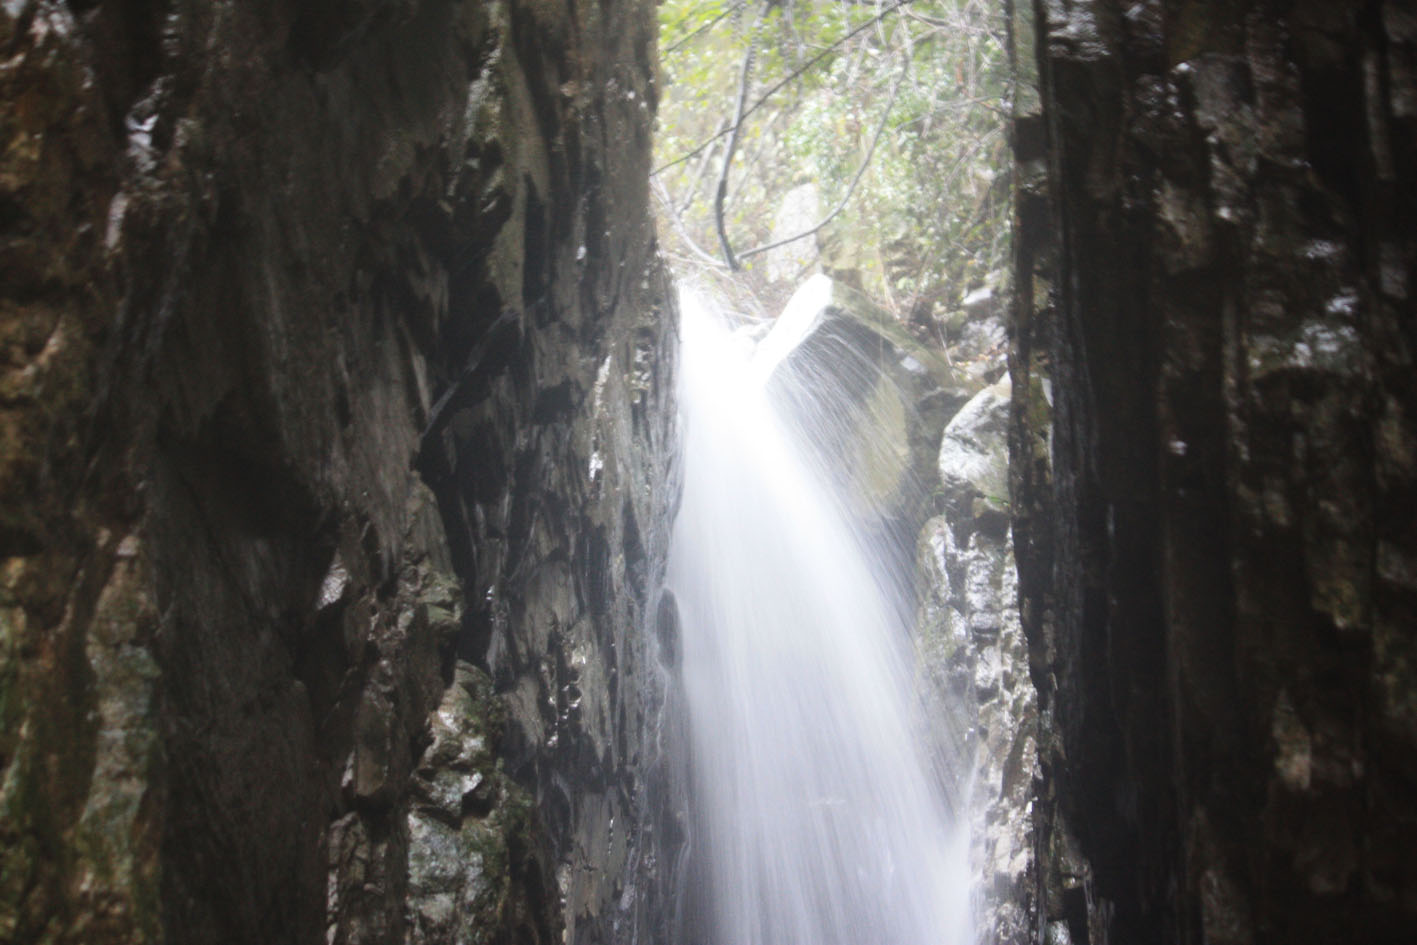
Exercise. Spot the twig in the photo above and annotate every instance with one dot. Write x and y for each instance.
(677, 222)
(721, 192)
(850, 190)
(762, 99)
(709, 25)
(699, 173)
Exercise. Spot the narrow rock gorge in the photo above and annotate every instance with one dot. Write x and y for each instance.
(339, 453)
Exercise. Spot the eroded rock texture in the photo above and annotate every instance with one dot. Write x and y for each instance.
(974, 643)
(1215, 521)
(969, 637)
(333, 438)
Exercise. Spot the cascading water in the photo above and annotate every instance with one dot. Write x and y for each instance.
(820, 817)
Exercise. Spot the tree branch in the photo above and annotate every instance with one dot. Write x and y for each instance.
(698, 174)
(794, 74)
(707, 26)
(677, 222)
(721, 192)
(850, 190)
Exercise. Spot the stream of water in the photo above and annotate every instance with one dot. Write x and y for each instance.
(819, 811)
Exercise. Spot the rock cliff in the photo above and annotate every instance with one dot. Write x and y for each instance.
(1214, 516)
(334, 441)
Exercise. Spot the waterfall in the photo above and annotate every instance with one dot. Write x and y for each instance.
(820, 816)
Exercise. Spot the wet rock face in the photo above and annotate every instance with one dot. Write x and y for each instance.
(973, 646)
(1216, 256)
(334, 438)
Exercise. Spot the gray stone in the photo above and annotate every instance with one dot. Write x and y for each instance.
(974, 457)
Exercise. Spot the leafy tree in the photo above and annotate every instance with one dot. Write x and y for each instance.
(894, 113)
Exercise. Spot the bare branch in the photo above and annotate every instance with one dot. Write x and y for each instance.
(721, 192)
(662, 192)
(776, 87)
(698, 174)
(705, 27)
(850, 190)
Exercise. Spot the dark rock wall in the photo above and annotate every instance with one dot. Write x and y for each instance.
(334, 429)
(1214, 502)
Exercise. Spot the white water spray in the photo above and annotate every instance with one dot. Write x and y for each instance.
(819, 814)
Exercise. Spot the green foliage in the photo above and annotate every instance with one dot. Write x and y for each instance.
(928, 218)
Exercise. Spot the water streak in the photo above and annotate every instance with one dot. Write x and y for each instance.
(819, 814)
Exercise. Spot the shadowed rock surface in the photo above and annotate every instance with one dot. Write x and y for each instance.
(1215, 520)
(334, 438)
(334, 448)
